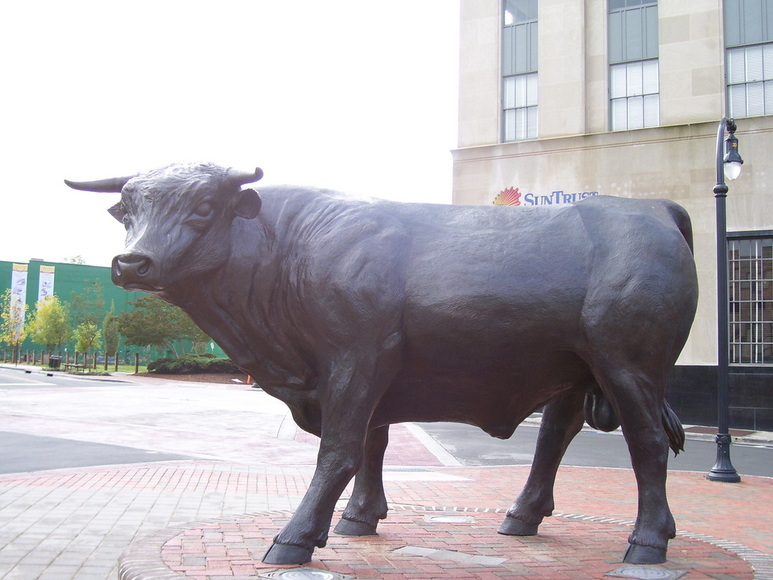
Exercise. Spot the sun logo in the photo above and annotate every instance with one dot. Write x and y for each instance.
(509, 196)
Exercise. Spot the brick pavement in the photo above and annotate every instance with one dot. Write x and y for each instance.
(412, 545)
(214, 518)
(187, 519)
(576, 543)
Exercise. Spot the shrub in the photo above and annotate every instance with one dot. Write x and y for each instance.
(162, 363)
(193, 364)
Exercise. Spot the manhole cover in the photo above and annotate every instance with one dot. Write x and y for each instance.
(451, 519)
(305, 574)
(645, 573)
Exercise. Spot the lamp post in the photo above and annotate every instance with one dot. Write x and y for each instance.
(728, 165)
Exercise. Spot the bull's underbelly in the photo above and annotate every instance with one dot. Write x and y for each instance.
(493, 396)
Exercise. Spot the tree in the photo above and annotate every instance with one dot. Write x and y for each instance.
(88, 337)
(76, 259)
(153, 322)
(13, 329)
(110, 331)
(88, 306)
(50, 325)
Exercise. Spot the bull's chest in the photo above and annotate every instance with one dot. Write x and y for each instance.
(267, 373)
(258, 335)
(287, 378)
(270, 357)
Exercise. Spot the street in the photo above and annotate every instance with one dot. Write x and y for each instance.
(589, 449)
(69, 421)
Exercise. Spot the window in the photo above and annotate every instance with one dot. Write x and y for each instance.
(519, 70)
(520, 107)
(749, 57)
(751, 300)
(634, 87)
(750, 81)
(634, 98)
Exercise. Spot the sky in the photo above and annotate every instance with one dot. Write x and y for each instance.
(346, 94)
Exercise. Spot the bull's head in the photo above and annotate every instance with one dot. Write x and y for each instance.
(178, 221)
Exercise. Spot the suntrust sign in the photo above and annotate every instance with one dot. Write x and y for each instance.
(513, 196)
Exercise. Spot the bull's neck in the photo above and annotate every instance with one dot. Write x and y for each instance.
(244, 308)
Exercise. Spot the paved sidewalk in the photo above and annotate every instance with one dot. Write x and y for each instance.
(213, 516)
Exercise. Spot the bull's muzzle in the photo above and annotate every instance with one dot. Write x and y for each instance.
(135, 271)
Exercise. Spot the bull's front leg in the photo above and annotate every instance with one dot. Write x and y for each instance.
(337, 462)
(347, 400)
(368, 504)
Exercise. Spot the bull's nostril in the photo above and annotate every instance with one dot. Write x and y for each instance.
(132, 267)
(136, 271)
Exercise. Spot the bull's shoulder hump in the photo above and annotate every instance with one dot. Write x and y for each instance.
(320, 212)
(328, 223)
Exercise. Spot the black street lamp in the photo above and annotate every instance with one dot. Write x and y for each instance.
(728, 165)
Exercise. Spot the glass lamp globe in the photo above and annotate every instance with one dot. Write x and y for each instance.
(732, 170)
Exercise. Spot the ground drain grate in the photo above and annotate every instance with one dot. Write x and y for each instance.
(305, 573)
(450, 519)
(450, 555)
(645, 573)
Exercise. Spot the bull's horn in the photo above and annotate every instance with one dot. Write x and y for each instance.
(113, 184)
(241, 177)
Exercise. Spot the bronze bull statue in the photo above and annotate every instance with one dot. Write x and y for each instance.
(359, 314)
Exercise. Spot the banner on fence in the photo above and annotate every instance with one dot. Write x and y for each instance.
(46, 282)
(18, 298)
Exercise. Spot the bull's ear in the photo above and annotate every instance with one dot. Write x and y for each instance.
(247, 203)
(117, 212)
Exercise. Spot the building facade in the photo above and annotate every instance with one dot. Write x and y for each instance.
(561, 99)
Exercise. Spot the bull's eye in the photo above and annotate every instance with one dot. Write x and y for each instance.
(204, 210)
(201, 215)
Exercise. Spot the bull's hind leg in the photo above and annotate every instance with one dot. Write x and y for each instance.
(561, 420)
(639, 403)
(368, 504)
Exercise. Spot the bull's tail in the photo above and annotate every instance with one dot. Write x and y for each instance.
(681, 219)
(673, 427)
(600, 415)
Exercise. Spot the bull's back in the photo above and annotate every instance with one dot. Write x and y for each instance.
(528, 272)
(497, 304)
(505, 277)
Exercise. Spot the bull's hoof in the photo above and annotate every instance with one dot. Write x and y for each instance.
(636, 554)
(514, 527)
(286, 554)
(353, 528)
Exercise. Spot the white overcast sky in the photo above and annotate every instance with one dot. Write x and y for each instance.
(348, 94)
